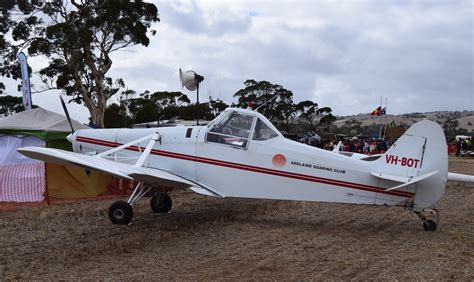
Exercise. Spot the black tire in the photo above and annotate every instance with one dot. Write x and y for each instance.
(120, 212)
(429, 225)
(161, 203)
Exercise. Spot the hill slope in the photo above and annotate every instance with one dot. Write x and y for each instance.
(465, 119)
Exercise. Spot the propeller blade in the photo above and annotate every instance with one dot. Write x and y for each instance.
(67, 113)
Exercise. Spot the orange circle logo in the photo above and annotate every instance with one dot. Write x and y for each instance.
(279, 160)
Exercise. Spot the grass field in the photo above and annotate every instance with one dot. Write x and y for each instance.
(205, 238)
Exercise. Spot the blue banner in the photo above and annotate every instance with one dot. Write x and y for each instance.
(25, 81)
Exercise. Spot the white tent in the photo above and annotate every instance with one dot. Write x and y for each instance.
(23, 179)
(39, 119)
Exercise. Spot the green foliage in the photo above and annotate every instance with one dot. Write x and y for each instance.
(115, 117)
(10, 105)
(160, 105)
(414, 115)
(217, 106)
(263, 93)
(450, 126)
(353, 126)
(78, 38)
(276, 103)
(310, 111)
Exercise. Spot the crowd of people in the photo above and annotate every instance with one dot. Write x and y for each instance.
(367, 146)
(370, 146)
(462, 145)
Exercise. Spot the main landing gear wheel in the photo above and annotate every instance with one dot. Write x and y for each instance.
(429, 225)
(120, 212)
(161, 203)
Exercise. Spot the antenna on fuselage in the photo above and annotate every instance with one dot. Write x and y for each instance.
(276, 96)
(191, 80)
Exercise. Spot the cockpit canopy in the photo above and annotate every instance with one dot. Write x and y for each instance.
(235, 127)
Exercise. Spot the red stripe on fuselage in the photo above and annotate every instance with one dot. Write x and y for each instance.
(257, 169)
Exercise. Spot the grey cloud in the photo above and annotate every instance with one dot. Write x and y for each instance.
(195, 22)
(418, 54)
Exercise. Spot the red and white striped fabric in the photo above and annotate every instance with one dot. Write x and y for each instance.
(21, 179)
(22, 182)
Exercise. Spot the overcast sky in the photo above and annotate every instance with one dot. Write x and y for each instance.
(342, 54)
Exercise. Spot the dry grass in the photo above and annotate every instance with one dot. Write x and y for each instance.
(207, 239)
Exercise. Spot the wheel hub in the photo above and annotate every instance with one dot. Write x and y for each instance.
(119, 214)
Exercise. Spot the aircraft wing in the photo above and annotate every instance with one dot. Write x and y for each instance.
(117, 169)
(63, 157)
(165, 178)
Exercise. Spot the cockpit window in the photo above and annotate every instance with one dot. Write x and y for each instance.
(263, 132)
(233, 130)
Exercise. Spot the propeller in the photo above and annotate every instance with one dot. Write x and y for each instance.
(67, 113)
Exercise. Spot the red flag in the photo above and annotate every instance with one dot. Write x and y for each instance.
(377, 111)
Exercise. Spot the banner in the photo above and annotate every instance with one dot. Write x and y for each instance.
(25, 81)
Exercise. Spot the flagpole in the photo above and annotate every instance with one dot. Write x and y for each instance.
(380, 130)
(385, 119)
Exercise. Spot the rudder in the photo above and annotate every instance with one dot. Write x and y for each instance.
(420, 150)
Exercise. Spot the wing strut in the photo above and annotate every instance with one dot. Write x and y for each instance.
(155, 137)
(124, 146)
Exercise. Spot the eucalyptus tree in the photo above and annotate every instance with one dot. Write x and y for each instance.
(273, 100)
(78, 38)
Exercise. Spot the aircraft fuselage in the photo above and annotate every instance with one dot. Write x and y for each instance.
(272, 169)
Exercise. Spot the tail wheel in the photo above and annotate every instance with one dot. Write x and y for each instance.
(161, 203)
(120, 212)
(429, 225)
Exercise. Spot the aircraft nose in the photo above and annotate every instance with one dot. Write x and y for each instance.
(71, 138)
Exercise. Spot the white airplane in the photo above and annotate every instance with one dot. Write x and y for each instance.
(241, 154)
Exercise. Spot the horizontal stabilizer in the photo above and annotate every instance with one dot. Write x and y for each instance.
(392, 177)
(460, 177)
(414, 180)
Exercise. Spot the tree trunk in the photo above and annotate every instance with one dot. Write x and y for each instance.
(97, 117)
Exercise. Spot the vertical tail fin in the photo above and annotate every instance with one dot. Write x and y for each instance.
(421, 150)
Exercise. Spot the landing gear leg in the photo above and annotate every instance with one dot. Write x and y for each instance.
(121, 212)
(428, 224)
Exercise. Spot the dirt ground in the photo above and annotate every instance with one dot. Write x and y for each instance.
(207, 239)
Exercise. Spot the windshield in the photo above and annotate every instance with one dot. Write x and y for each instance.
(233, 130)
